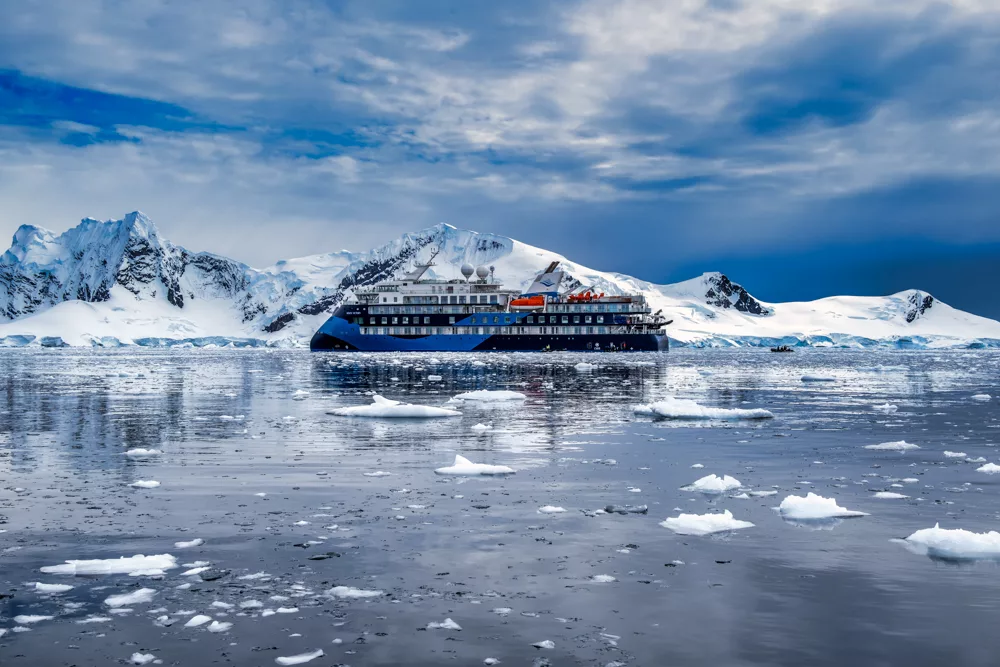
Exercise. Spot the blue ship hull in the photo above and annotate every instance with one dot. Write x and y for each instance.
(338, 334)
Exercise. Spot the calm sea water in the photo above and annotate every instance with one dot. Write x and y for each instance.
(229, 428)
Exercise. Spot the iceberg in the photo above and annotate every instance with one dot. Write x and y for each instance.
(384, 408)
(463, 466)
(681, 408)
(814, 507)
(954, 544)
(705, 524)
(113, 565)
(713, 484)
(897, 446)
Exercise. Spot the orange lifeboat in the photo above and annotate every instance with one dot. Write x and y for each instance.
(528, 303)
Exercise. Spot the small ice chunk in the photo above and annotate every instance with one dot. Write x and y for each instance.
(354, 593)
(197, 621)
(551, 509)
(52, 588)
(464, 466)
(885, 408)
(377, 473)
(300, 395)
(140, 452)
(602, 579)
(763, 494)
(502, 611)
(491, 661)
(216, 626)
(813, 507)
(113, 565)
(697, 465)
(482, 428)
(195, 570)
(142, 658)
(434, 378)
(386, 408)
(28, 619)
(141, 596)
(896, 446)
(889, 495)
(145, 484)
(955, 455)
(196, 542)
(219, 604)
(713, 484)
(989, 469)
(446, 624)
(489, 396)
(981, 397)
(547, 643)
(251, 604)
(301, 658)
(682, 408)
(954, 544)
(704, 524)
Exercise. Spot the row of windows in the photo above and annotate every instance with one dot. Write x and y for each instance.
(485, 319)
(461, 298)
(439, 331)
(552, 308)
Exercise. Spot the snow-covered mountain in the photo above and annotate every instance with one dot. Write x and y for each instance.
(119, 282)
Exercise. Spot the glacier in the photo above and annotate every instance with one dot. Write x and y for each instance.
(120, 282)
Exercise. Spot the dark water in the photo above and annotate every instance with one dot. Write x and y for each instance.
(775, 594)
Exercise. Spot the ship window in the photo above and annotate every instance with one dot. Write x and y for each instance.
(495, 320)
(461, 299)
(587, 319)
(529, 319)
(450, 290)
(565, 320)
(482, 330)
(576, 329)
(576, 319)
(473, 320)
(406, 320)
(493, 298)
(384, 320)
(451, 320)
(454, 299)
(395, 320)
(600, 319)
(427, 320)
(395, 299)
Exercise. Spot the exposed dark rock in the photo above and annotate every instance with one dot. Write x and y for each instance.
(723, 293)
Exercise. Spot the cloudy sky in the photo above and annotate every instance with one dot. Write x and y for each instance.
(804, 147)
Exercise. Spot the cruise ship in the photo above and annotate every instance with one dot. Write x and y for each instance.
(477, 314)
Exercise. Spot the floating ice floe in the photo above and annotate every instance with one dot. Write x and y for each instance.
(464, 466)
(446, 624)
(28, 619)
(141, 596)
(682, 408)
(762, 494)
(489, 396)
(551, 509)
(196, 542)
(140, 452)
(889, 495)
(697, 465)
(52, 588)
(301, 658)
(885, 408)
(954, 544)
(713, 484)
(197, 621)
(813, 507)
(300, 395)
(434, 378)
(142, 658)
(704, 524)
(145, 484)
(584, 367)
(386, 408)
(121, 565)
(482, 428)
(989, 469)
(955, 455)
(546, 644)
(354, 593)
(982, 397)
(218, 626)
(897, 446)
(603, 579)
(377, 473)
(818, 378)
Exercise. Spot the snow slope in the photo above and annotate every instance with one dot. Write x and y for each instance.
(120, 282)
